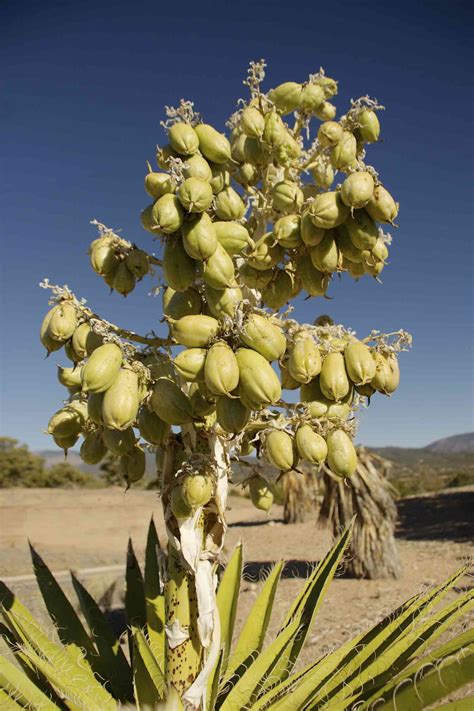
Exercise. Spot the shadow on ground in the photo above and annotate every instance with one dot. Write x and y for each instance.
(448, 515)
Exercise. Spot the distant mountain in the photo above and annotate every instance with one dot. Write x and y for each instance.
(463, 443)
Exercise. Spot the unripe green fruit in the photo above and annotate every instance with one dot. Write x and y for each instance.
(137, 262)
(197, 490)
(333, 379)
(49, 343)
(258, 381)
(160, 366)
(338, 411)
(287, 231)
(229, 205)
(387, 373)
(199, 237)
(237, 146)
(102, 368)
(233, 236)
(195, 195)
(355, 269)
(179, 508)
(286, 96)
(318, 403)
(221, 370)
(102, 255)
(279, 290)
(266, 252)
(183, 138)
(261, 494)
(330, 133)
(359, 362)
(287, 196)
(190, 364)
(119, 442)
(132, 466)
(328, 210)
(249, 174)
(366, 390)
(255, 278)
(311, 98)
(347, 247)
(274, 134)
(329, 85)
(325, 255)
(218, 270)
(382, 207)
(177, 304)
(167, 214)
(68, 421)
(304, 362)
(123, 281)
(255, 152)
(146, 218)
(213, 145)
(121, 401)
(158, 184)
(322, 172)
(374, 269)
(223, 301)
(362, 230)
(66, 442)
(152, 428)
(369, 126)
(93, 449)
(287, 152)
(252, 122)
(280, 450)
(263, 336)
(380, 250)
(342, 457)
(310, 234)
(202, 401)
(357, 189)
(287, 380)
(232, 415)
(325, 112)
(220, 178)
(94, 407)
(194, 331)
(179, 269)
(163, 155)
(310, 445)
(197, 167)
(70, 377)
(170, 403)
(344, 153)
(63, 321)
(312, 280)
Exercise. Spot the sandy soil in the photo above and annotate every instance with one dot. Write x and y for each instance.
(85, 529)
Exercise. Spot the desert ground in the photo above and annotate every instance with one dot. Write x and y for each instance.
(88, 530)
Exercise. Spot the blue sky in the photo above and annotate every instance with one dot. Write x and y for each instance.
(84, 91)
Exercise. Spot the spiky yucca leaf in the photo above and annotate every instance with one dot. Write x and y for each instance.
(154, 598)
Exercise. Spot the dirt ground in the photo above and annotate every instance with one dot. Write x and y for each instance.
(89, 529)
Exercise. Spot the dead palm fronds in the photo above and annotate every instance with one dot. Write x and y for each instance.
(299, 495)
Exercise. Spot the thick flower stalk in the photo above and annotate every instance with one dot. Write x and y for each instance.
(245, 223)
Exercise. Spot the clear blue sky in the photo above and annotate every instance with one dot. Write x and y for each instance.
(83, 97)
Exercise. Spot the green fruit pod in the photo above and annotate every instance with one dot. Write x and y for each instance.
(274, 134)
(287, 196)
(102, 368)
(231, 414)
(387, 373)
(102, 256)
(179, 269)
(360, 364)
(179, 508)
(229, 205)
(197, 167)
(344, 153)
(123, 280)
(190, 364)
(119, 442)
(68, 421)
(233, 236)
(287, 380)
(326, 111)
(152, 428)
(94, 407)
(160, 366)
(328, 210)
(177, 304)
(362, 230)
(70, 377)
(221, 370)
(355, 269)
(342, 456)
(252, 123)
(66, 443)
(163, 155)
(258, 381)
(213, 145)
(63, 321)
(380, 251)
(261, 494)
(322, 172)
(374, 268)
(218, 270)
(49, 343)
(287, 152)
(310, 445)
(330, 133)
(183, 139)
(263, 336)
(338, 411)
(223, 301)
(170, 403)
(366, 390)
(279, 450)
(197, 490)
(312, 280)
(368, 129)
(248, 174)
(147, 220)
(279, 291)
(382, 207)
(158, 184)
(194, 331)
(195, 195)
(287, 231)
(333, 379)
(286, 97)
(220, 178)
(357, 189)
(202, 401)
(93, 449)
(347, 247)
(132, 466)
(266, 253)
(255, 278)
(137, 263)
(237, 147)
(304, 361)
(311, 98)
(121, 401)
(199, 237)
(310, 234)
(318, 403)
(325, 255)
(167, 214)
(328, 85)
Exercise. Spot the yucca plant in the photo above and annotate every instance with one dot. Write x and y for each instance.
(393, 665)
(244, 224)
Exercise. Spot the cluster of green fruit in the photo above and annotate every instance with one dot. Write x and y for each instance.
(119, 263)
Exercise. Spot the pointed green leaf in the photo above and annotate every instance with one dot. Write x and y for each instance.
(7, 703)
(213, 684)
(148, 679)
(114, 663)
(17, 684)
(134, 592)
(154, 598)
(227, 599)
